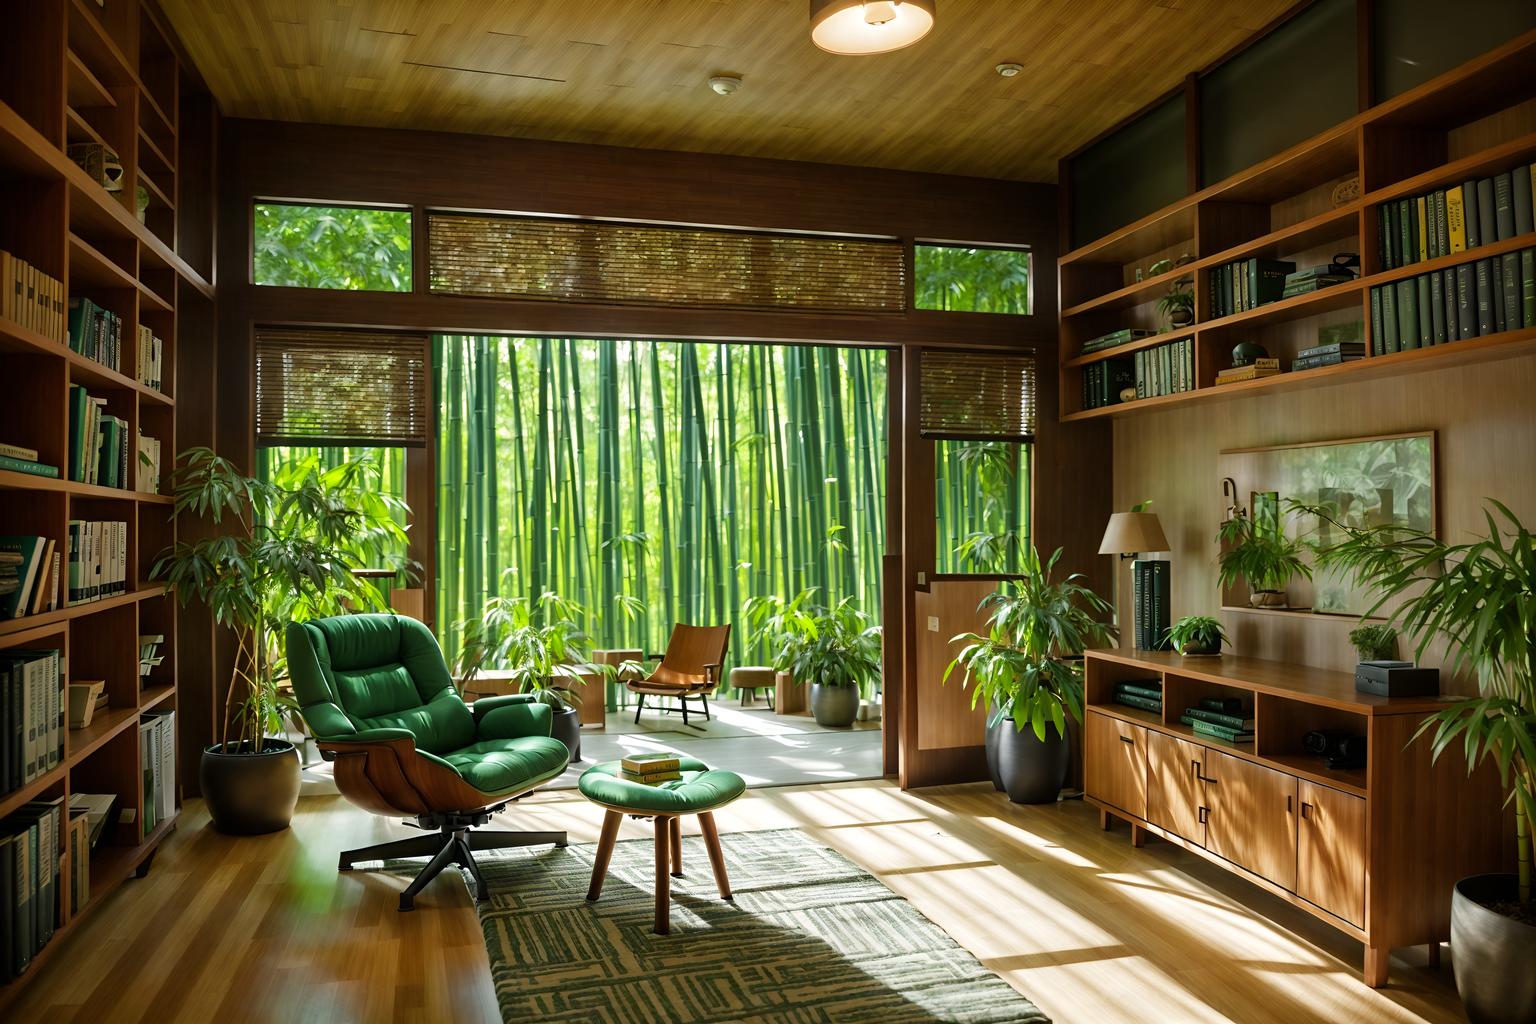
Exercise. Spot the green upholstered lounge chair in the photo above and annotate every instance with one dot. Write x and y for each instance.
(376, 693)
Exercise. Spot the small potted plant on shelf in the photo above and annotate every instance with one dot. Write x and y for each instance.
(1263, 557)
(543, 646)
(1197, 636)
(1375, 642)
(1479, 599)
(836, 650)
(1028, 669)
(282, 549)
(1178, 305)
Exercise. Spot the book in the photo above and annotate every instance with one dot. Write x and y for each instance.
(1407, 313)
(1424, 309)
(1528, 287)
(1456, 220)
(1330, 359)
(1420, 229)
(658, 761)
(12, 451)
(1510, 289)
(1487, 230)
(1239, 723)
(16, 604)
(650, 778)
(1344, 347)
(1448, 303)
(1466, 301)
(1504, 206)
(1496, 292)
(1225, 705)
(1115, 338)
(1241, 373)
(1207, 729)
(1392, 342)
(1484, 293)
(1150, 689)
(97, 807)
(1313, 284)
(1131, 700)
(1521, 198)
(1436, 309)
(1378, 335)
(27, 466)
(1471, 216)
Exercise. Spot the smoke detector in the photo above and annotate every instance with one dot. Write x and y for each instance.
(1010, 69)
(724, 85)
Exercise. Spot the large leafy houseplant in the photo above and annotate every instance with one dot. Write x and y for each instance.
(1479, 599)
(836, 650)
(1026, 667)
(539, 643)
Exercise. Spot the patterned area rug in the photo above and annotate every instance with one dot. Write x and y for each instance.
(810, 937)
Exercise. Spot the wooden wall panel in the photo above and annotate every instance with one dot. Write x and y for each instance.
(1487, 447)
(945, 718)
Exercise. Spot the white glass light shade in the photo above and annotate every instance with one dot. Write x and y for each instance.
(876, 26)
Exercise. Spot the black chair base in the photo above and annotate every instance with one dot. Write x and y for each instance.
(682, 705)
(453, 840)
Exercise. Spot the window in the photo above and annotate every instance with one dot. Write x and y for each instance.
(355, 248)
(974, 280)
(332, 387)
(982, 505)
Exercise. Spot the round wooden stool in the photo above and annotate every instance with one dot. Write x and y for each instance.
(751, 678)
(700, 791)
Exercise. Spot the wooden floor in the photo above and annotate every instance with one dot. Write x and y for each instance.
(264, 929)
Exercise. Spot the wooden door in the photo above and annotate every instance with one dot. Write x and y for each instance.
(1251, 816)
(1115, 762)
(1175, 790)
(1330, 851)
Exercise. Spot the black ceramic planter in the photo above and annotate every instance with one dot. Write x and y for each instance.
(1032, 771)
(1492, 954)
(252, 793)
(567, 729)
(834, 706)
(994, 730)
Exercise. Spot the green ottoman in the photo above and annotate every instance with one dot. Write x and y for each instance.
(700, 791)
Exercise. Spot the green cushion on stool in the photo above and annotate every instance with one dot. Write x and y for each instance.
(700, 789)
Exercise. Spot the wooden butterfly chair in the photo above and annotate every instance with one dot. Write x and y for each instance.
(689, 671)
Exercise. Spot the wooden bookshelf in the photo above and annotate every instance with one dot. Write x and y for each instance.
(1473, 121)
(107, 74)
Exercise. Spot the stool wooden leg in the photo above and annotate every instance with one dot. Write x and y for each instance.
(676, 830)
(663, 879)
(604, 854)
(716, 857)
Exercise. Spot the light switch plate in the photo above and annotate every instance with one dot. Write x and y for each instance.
(933, 623)
(922, 579)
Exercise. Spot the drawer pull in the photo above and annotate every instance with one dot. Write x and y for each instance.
(1205, 815)
(1304, 807)
(1288, 803)
(1126, 739)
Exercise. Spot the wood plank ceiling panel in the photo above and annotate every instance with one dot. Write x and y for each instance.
(634, 72)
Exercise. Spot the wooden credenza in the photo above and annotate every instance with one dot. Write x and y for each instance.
(1373, 851)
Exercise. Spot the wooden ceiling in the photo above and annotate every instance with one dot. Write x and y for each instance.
(634, 72)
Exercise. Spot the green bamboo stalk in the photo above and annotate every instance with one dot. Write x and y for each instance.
(540, 550)
(665, 552)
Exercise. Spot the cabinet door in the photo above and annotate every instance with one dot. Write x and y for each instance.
(1330, 851)
(1251, 816)
(1115, 762)
(1175, 792)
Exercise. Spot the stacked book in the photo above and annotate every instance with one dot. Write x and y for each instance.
(29, 576)
(32, 715)
(1330, 354)
(1150, 588)
(1312, 279)
(1478, 298)
(1251, 371)
(148, 469)
(1450, 220)
(1221, 718)
(1114, 339)
(98, 441)
(96, 333)
(157, 764)
(16, 459)
(651, 769)
(1166, 369)
(1247, 284)
(1146, 694)
(1103, 381)
(151, 354)
(31, 849)
(98, 560)
(30, 298)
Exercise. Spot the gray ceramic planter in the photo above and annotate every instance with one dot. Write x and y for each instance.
(834, 706)
(1492, 954)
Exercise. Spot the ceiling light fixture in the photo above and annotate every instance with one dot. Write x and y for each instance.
(724, 85)
(1010, 69)
(869, 26)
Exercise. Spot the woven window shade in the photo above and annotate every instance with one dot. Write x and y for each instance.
(584, 261)
(318, 386)
(977, 396)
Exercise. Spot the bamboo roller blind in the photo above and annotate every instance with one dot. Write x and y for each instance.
(586, 261)
(353, 387)
(977, 396)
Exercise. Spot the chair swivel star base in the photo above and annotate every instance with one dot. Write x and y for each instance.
(377, 696)
(451, 840)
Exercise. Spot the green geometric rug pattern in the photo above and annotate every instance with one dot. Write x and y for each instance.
(810, 938)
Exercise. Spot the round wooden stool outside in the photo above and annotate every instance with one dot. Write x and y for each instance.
(751, 678)
(700, 791)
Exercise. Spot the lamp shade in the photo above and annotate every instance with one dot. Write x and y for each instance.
(869, 26)
(1130, 533)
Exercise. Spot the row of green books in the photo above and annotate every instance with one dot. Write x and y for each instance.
(1247, 284)
(96, 333)
(1146, 694)
(1166, 369)
(1103, 381)
(1450, 220)
(1222, 718)
(30, 298)
(157, 766)
(1115, 338)
(31, 845)
(151, 357)
(98, 442)
(15, 458)
(1474, 299)
(29, 576)
(32, 710)
(98, 560)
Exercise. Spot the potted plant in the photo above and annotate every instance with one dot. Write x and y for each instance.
(1197, 635)
(1263, 557)
(1178, 304)
(834, 649)
(1028, 669)
(1479, 598)
(542, 645)
(281, 549)
(1376, 642)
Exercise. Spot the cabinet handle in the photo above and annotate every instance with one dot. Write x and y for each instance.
(1304, 807)
(1205, 815)
(1288, 803)
(1194, 767)
(1126, 739)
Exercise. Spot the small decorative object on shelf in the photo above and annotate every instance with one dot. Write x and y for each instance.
(1246, 352)
(1179, 304)
(1197, 636)
(1251, 371)
(141, 202)
(100, 162)
(1346, 191)
(83, 698)
(1257, 551)
(149, 652)
(1376, 642)
(1127, 394)
(1341, 748)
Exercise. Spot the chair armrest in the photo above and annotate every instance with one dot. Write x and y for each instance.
(380, 735)
(485, 705)
(512, 717)
(712, 671)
